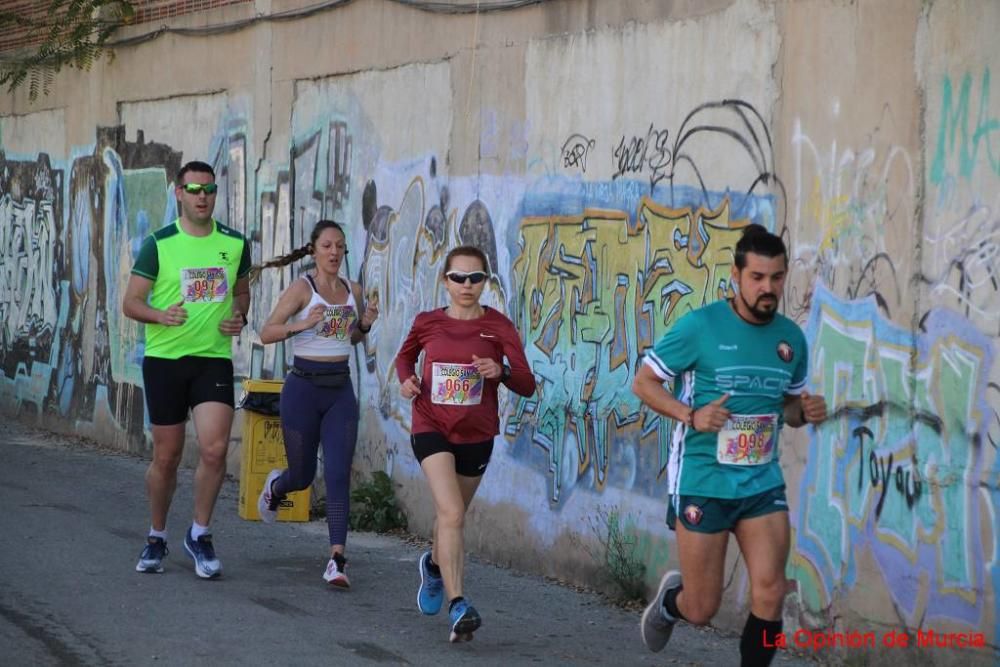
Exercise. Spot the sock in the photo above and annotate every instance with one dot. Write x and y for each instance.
(672, 613)
(454, 601)
(162, 534)
(752, 648)
(197, 530)
(432, 568)
(276, 498)
(339, 559)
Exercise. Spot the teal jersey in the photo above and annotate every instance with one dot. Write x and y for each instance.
(713, 351)
(201, 270)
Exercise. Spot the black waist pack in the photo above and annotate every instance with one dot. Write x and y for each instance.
(264, 403)
(324, 379)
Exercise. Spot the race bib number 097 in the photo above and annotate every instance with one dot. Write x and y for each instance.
(748, 440)
(456, 384)
(337, 322)
(207, 285)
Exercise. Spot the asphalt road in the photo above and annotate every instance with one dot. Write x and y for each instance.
(73, 522)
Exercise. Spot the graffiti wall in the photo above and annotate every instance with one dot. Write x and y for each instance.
(608, 196)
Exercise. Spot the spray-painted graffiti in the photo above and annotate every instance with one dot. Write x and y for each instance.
(957, 135)
(63, 281)
(851, 197)
(403, 261)
(962, 261)
(594, 291)
(650, 152)
(904, 471)
(31, 259)
(575, 150)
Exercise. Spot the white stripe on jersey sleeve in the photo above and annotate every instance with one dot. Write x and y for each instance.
(658, 367)
(796, 389)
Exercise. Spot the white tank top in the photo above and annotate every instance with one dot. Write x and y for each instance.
(332, 336)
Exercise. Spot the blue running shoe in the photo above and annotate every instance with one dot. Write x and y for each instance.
(206, 565)
(430, 595)
(151, 559)
(464, 621)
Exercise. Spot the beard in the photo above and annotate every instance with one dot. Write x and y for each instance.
(764, 308)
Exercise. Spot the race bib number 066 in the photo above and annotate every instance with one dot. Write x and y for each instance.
(748, 440)
(456, 384)
(207, 285)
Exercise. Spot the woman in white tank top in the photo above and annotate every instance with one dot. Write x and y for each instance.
(320, 312)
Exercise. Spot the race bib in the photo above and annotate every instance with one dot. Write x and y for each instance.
(456, 384)
(748, 440)
(205, 285)
(337, 322)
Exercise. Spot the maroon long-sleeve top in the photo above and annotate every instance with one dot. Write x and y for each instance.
(454, 401)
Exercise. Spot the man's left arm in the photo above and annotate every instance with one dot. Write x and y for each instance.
(801, 407)
(805, 408)
(241, 297)
(233, 325)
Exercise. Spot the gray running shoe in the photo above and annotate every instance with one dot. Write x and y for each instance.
(655, 628)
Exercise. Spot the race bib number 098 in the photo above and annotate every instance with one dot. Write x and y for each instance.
(456, 384)
(748, 440)
(207, 285)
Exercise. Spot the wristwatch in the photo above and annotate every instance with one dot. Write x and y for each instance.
(504, 373)
(245, 320)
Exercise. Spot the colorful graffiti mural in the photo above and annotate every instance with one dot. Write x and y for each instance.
(68, 249)
(905, 470)
(595, 291)
(593, 273)
(594, 288)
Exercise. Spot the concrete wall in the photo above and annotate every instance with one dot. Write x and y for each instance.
(605, 154)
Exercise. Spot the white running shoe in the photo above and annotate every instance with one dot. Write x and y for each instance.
(268, 515)
(334, 574)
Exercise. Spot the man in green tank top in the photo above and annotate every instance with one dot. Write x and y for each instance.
(739, 371)
(190, 287)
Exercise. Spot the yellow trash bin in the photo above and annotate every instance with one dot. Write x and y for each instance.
(263, 451)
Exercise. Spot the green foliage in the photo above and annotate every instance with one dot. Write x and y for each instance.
(373, 506)
(68, 33)
(618, 540)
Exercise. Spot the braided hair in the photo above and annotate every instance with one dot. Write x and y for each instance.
(298, 253)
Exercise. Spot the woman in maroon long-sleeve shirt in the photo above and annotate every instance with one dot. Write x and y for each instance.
(455, 417)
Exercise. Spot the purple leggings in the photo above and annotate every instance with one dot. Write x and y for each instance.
(312, 415)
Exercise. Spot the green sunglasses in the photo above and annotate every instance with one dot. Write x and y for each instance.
(198, 188)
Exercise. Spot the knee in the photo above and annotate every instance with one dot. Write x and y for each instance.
(214, 456)
(165, 464)
(337, 475)
(769, 593)
(698, 611)
(452, 518)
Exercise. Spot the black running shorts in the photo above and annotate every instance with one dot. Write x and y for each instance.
(471, 458)
(174, 386)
